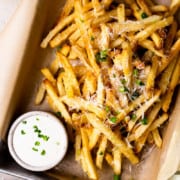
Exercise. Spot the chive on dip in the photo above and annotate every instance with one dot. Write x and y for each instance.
(37, 141)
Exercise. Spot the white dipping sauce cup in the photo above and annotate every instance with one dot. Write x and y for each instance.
(37, 141)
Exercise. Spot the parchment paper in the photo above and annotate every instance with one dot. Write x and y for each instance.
(156, 163)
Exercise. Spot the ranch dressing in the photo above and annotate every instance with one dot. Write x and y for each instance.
(38, 140)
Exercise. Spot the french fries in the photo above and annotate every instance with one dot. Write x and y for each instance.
(113, 77)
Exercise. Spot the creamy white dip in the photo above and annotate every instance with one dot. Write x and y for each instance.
(38, 140)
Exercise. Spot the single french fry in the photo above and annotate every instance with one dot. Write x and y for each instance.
(117, 158)
(157, 138)
(54, 67)
(111, 136)
(166, 75)
(65, 49)
(48, 75)
(152, 75)
(101, 151)
(60, 85)
(62, 36)
(87, 156)
(94, 138)
(40, 94)
(109, 159)
(158, 8)
(56, 29)
(77, 146)
(105, 37)
(100, 90)
(121, 13)
(51, 103)
(158, 42)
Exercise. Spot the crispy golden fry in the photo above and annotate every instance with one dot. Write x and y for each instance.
(54, 67)
(101, 151)
(157, 138)
(109, 159)
(48, 75)
(61, 37)
(87, 156)
(94, 138)
(117, 158)
(111, 136)
(157, 40)
(100, 90)
(60, 85)
(121, 13)
(158, 8)
(40, 94)
(77, 146)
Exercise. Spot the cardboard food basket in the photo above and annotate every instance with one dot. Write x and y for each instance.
(21, 61)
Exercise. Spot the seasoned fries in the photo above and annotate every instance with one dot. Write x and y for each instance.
(113, 77)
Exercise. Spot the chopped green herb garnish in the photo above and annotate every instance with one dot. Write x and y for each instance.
(123, 81)
(24, 122)
(135, 95)
(135, 72)
(37, 130)
(107, 109)
(37, 143)
(114, 75)
(101, 56)
(40, 135)
(43, 152)
(144, 121)
(139, 82)
(45, 138)
(34, 149)
(58, 143)
(144, 15)
(37, 119)
(116, 177)
(101, 153)
(123, 89)
(58, 114)
(133, 116)
(82, 20)
(23, 132)
(92, 38)
(113, 119)
(59, 48)
(35, 127)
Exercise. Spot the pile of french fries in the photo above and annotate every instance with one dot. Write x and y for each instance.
(116, 68)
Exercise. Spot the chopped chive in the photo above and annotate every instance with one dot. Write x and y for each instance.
(101, 56)
(40, 135)
(37, 119)
(116, 177)
(35, 127)
(37, 143)
(144, 121)
(123, 89)
(123, 81)
(24, 122)
(37, 130)
(101, 153)
(107, 109)
(58, 114)
(92, 38)
(133, 116)
(144, 15)
(135, 95)
(43, 152)
(113, 119)
(58, 143)
(135, 72)
(34, 149)
(139, 82)
(23, 132)
(46, 138)
(59, 48)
